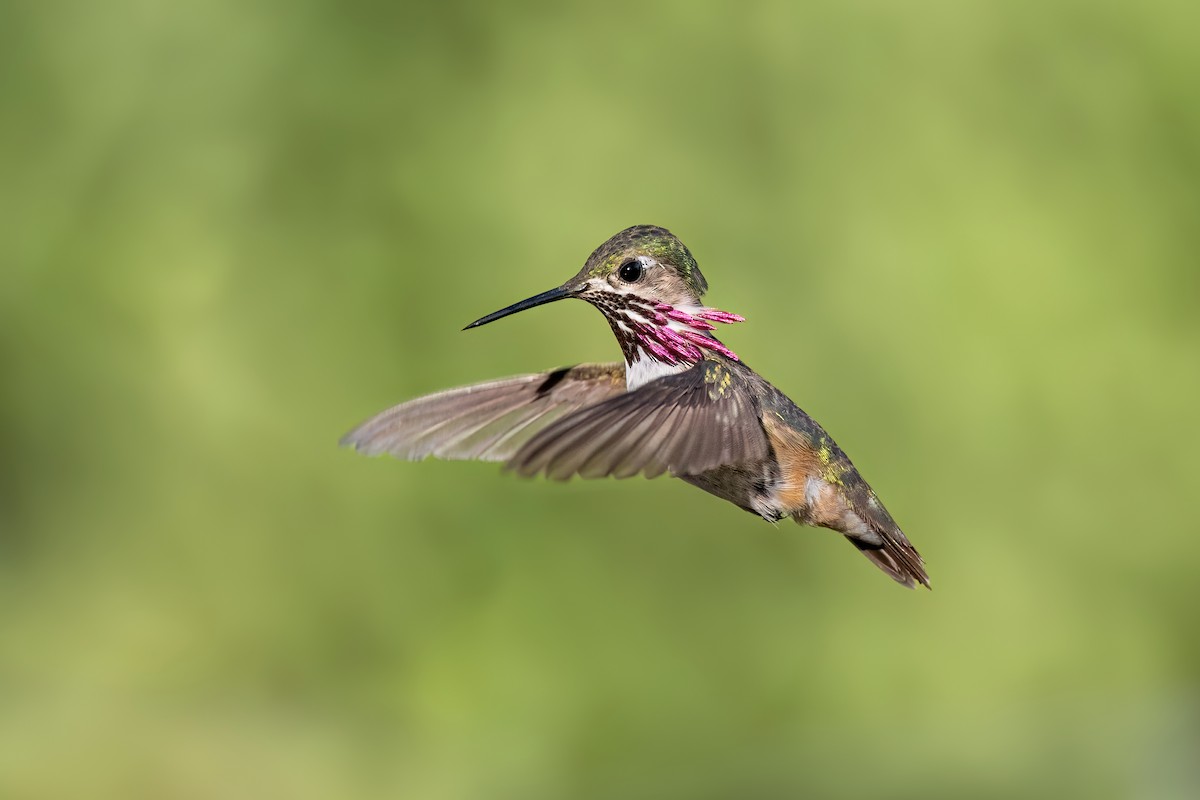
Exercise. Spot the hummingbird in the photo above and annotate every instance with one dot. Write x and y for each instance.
(681, 402)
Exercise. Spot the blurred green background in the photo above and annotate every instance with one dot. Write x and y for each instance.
(964, 235)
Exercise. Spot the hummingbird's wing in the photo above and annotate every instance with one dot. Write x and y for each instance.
(486, 421)
(685, 423)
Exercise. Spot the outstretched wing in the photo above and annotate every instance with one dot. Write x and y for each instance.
(685, 423)
(487, 421)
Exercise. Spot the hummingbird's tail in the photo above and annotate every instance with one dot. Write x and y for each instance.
(897, 558)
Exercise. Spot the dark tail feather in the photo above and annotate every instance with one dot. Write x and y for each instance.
(898, 559)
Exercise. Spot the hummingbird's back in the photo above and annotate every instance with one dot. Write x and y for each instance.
(806, 476)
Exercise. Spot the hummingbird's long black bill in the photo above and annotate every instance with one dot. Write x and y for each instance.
(537, 300)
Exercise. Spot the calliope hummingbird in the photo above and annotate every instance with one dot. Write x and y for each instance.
(681, 403)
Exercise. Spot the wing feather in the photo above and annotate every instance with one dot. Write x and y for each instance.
(685, 423)
(609, 460)
(485, 421)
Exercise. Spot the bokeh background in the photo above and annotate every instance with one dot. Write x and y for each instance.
(964, 235)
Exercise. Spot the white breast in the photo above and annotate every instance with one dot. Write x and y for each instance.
(646, 369)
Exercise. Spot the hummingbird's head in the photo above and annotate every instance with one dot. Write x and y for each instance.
(647, 261)
(648, 286)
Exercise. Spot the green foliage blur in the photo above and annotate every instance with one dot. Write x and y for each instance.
(965, 236)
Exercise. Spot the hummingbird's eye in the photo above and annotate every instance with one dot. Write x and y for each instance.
(631, 271)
